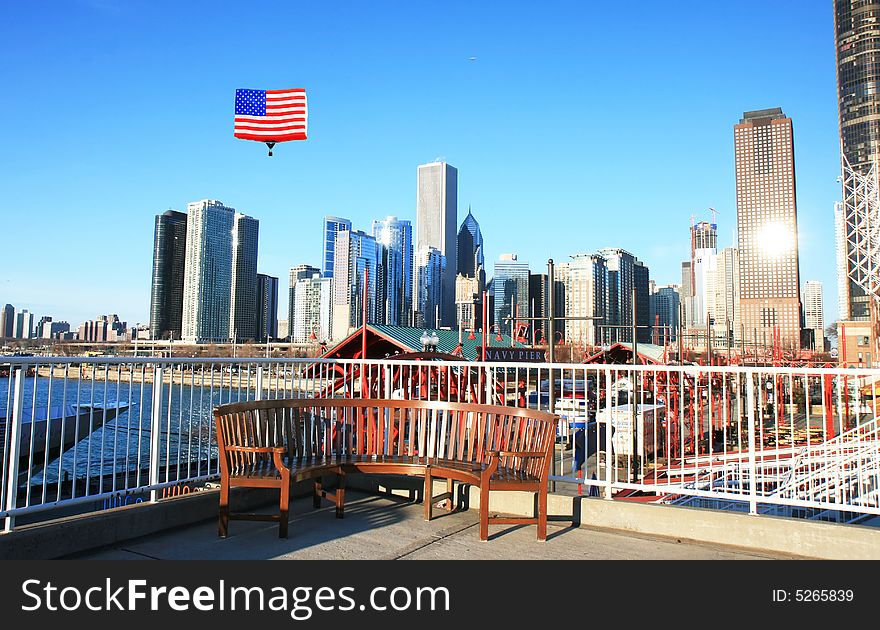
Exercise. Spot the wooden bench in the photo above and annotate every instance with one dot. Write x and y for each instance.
(274, 443)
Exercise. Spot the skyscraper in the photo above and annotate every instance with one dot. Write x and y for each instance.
(436, 220)
(813, 317)
(24, 324)
(724, 305)
(332, 226)
(396, 270)
(664, 312)
(469, 248)
(312, 310)
(586, 295)
(356, 253)
(857, 44)
(207, 284)
(704, 249)
(7, 321)
(625, 272)
(243, 302)
(511, 292)
(766, 213)
(267, 307)
(430, 269)
(169, 262)
(300, 272)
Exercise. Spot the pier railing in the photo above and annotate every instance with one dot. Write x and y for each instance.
(85, 434)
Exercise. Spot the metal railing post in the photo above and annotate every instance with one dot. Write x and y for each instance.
(14, 449)
(606, 491)
(259, 393)
(750, 402)
(156, 430)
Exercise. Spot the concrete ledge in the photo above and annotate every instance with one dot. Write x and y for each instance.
(74, 534)
(797, 537)
(62, 537)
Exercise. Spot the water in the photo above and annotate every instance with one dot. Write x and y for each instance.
(122, 445)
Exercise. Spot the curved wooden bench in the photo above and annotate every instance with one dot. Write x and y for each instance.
(273, 443)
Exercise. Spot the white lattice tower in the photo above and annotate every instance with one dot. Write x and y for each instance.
(861, 224)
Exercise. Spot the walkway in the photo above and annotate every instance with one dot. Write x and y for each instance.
(379, 527)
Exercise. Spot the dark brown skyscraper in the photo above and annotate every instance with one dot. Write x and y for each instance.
(166, 296)
(766, 217)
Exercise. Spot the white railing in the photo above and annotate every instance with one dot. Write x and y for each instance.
(83, 434)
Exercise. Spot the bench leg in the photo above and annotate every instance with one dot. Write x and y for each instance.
(428, 494)
(316, 499)
(284, 511)
(542, 514)
(484, 512)
(450, 503)
(223, 524)
(340, 496)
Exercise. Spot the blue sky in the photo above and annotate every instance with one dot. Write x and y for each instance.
(579, 125)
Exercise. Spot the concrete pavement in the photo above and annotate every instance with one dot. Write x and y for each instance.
(381, 527)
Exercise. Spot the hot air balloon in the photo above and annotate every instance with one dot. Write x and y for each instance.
(271, 116)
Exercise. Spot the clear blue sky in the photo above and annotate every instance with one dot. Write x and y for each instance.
(579, 125)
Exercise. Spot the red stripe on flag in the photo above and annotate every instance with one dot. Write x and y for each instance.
(288, 91)
(278, 138)
(259, 128)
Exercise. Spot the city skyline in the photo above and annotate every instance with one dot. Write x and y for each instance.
(570, 201)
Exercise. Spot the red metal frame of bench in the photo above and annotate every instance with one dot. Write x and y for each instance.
(273, 443)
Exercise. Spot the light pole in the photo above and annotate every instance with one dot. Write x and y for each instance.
(429, 341)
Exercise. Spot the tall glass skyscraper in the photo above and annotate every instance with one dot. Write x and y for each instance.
(267, 307)
(332, 226)
(430, 270)
(470, 247)
(436, 221)
(511, 291)
(243, 301)
(220, 274)
(166, 294)
(766, 217)
(857, 42)
(355, 254)
(396, 270)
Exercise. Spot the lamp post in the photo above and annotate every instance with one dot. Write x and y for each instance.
(429, 341)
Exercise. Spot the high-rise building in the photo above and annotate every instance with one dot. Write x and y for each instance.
(300, 272)
(665, 302)
(357, 254)
(814, 318)
(642, 282)
(312, 310)
(267, 307)
(436, 221)
(511, 292)
(469, 248)
(7, 321)
(52, 329)
(857, 44)
(24, 324)
(724, 305)
(243, 301)
(430, 269)
(625, 272)
(332, 226)
(767, 226)
(539, 302)
(396, 270)
(468, 303)
(704, 248)
(585, 278)
(169, 262)
(207, 285)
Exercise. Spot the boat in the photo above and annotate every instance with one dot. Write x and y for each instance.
(55, 429)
